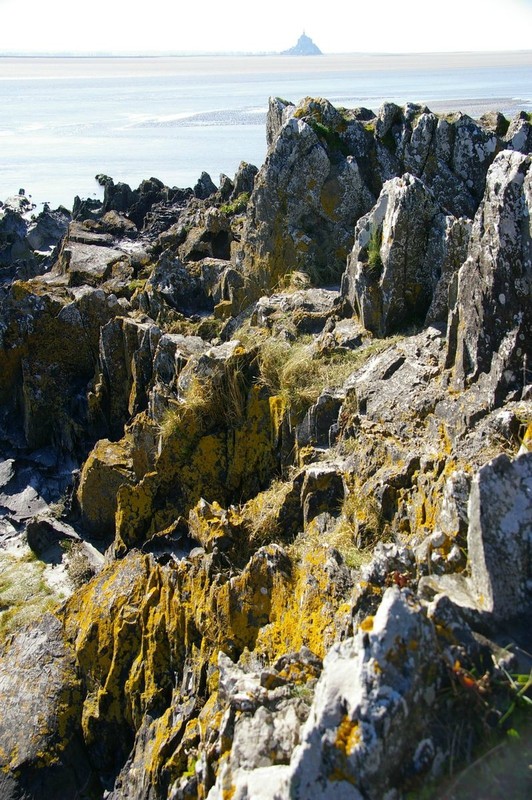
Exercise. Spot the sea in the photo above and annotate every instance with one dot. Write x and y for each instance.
(63, 120)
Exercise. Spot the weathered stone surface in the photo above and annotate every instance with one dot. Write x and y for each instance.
(389, 280)
(490, 325)
(387, 387)
(499, 536)
(244, 179)
(306, 310)
(306, 198)
(108, 467)
(371, 687)
(50, 339)
(278, 112)
(40, 693)
(446, 252)
(172, 353)
(126, 354)
(44, 531)
(318, 427)
(322, 491)
(87, 258)
(28, 247)
(204, 187)
(519, 134)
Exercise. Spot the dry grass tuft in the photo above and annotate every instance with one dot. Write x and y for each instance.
(262, 514)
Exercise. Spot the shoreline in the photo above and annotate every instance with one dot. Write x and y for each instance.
(48, 66)
(91, 123)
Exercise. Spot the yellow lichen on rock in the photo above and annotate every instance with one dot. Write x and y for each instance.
(108, 467)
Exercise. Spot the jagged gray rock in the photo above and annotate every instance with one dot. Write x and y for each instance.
(388, 280)
(125, 359)
(194, 441)
(370, 688)
(490, 323)
(40, 693)
(499, 537)
(306, 198)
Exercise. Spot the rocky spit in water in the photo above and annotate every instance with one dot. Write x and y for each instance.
(266, 480)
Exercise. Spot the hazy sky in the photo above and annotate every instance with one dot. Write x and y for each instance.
(242, 26)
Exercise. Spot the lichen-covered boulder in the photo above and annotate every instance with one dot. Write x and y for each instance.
(48, 345)
(108, 467)
(306, 199)
(372, 688)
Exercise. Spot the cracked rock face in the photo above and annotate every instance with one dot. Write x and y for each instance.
(389, 279)
(500, 535)
(490, 325)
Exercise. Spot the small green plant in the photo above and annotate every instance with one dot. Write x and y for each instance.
(375, 265)
(238, 206)
(137, 284)
(520, 685)
(331, 137)
(303, 691)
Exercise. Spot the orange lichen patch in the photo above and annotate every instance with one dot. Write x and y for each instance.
(303, 613)
(134, 512)
(367, 624)
(348, 736)
(526, 437)
(108, 467)
(139, 627)
(201, 459)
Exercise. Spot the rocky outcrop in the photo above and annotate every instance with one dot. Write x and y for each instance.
(262, 534)
(28, 246)
(306, 199)
(389, 279)
(490, 328)
(334, 172)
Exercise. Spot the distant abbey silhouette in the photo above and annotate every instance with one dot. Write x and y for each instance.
(304, 47)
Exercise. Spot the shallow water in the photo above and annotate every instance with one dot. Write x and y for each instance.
(64, 120)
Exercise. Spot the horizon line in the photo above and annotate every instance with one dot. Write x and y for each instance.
(219, 53)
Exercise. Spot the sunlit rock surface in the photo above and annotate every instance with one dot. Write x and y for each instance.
(265, 483)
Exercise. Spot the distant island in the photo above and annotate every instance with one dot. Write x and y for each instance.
(304, 47)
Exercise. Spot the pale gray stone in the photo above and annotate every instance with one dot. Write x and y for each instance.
(373, 687)
(490, 323)
(500, 536)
